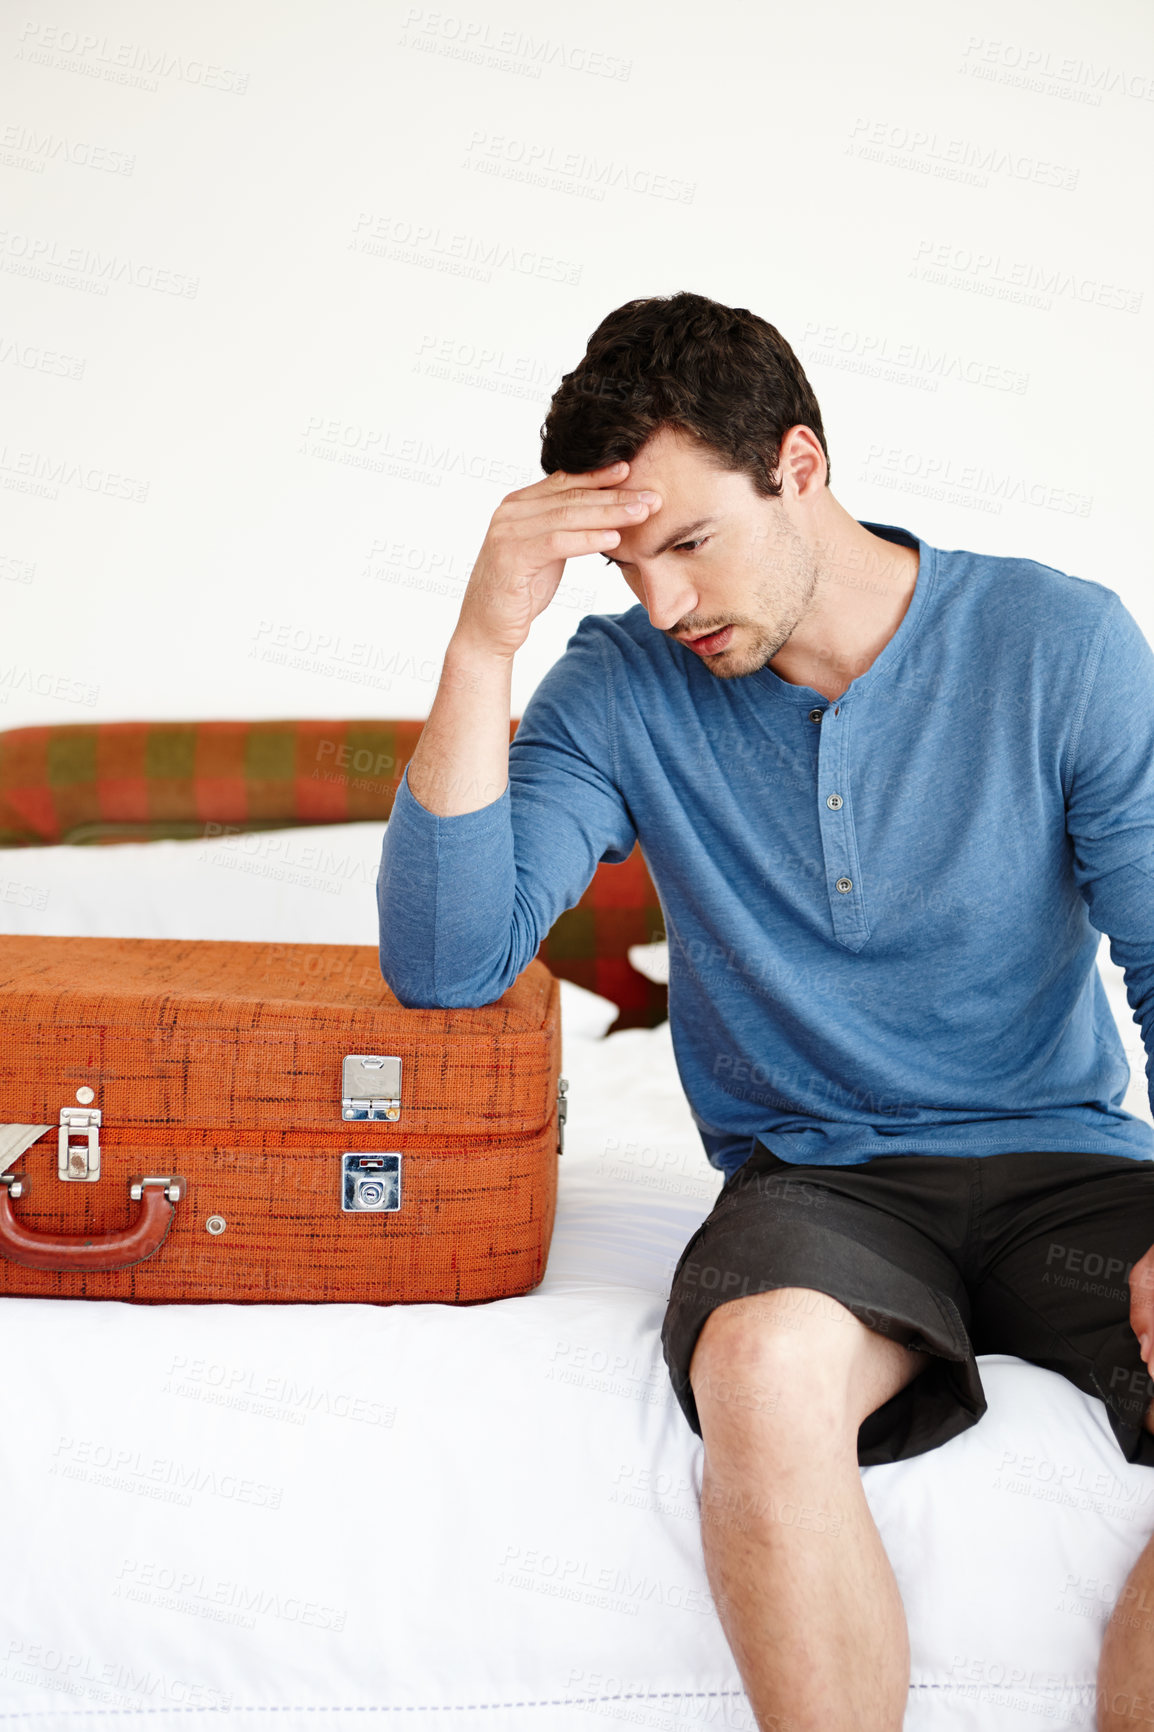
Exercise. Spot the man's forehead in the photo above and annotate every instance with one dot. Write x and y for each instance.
(686, 472)
(672, 454)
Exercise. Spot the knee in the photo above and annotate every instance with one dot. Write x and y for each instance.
(783, 1325)
(790, 1352)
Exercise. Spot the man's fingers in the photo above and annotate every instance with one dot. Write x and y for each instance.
(562, 478)
(1139, 1326)
(579, 508)
(569, 544)
(1142, 1304)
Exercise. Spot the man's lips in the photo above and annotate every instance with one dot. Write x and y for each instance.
(711, 643)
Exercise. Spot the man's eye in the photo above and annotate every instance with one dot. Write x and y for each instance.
(692, 545)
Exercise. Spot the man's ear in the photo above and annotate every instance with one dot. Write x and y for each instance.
(801, 460)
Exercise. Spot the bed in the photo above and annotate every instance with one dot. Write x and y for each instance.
(487, 1517)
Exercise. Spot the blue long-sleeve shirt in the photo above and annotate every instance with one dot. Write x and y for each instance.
(883, 911)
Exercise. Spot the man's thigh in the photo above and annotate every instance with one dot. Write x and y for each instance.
(1062, 1232)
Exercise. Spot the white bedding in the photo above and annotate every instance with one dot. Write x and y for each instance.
(298, 1516)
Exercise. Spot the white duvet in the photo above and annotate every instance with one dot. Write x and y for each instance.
(324, 1516)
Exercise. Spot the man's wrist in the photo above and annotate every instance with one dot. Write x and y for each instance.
(465, 649)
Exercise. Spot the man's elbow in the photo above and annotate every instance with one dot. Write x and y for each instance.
(413, 992)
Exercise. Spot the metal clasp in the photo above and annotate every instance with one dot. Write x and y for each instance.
(371, 1181)
(370, 1087)
(78, 1146)
(562, 1112)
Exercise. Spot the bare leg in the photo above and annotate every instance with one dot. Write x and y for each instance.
(1126, 1667)
(801, 1581)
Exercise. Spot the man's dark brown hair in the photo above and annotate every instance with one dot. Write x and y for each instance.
(718, 373)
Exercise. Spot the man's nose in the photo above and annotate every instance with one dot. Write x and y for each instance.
(669, 597)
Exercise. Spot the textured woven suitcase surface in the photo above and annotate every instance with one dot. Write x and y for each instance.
(264, 1122)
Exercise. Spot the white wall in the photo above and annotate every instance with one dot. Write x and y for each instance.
(259, 393)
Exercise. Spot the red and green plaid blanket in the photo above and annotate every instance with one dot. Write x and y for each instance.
(107, 782)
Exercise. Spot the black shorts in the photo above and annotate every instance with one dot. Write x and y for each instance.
(1026, 1254)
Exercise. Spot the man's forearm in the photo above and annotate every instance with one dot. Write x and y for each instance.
(462, 758)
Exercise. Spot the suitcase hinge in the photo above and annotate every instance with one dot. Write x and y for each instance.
(562, 1113)
(370, 1087)
(78, 1147)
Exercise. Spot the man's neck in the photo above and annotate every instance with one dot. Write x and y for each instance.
(864, 588)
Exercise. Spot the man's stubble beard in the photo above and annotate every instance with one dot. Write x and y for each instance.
(800, 585)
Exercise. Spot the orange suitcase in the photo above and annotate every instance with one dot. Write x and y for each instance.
(262, 1122)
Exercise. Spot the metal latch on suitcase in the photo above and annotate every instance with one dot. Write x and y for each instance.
(370, 1087)
(562, 1112)
(78, 1146)
(370, 1181)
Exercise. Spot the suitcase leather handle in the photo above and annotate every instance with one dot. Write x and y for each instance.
(132, 1244)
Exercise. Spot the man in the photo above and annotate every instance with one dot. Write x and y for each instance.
(890, 797)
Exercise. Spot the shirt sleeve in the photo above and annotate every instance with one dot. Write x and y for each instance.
(1110, 806)
(465, 901)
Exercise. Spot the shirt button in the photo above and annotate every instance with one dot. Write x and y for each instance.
(816, 715)
(844, 884)
(834, 802)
